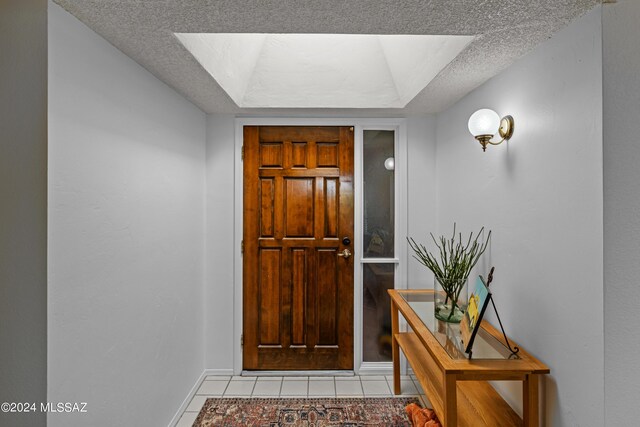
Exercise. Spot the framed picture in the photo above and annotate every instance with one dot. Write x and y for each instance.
(478, 301)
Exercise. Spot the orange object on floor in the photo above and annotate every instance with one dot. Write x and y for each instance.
(421, 417)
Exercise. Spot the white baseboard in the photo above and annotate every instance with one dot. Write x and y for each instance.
(375, 368)
(187, 400)
(194, 390)
(218, 372)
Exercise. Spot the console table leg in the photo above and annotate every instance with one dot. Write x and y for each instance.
(530, 401)
(450, 401)
(395, 349)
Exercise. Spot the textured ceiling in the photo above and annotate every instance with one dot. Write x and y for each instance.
(505, 30)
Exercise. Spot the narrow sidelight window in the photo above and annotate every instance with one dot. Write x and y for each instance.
(379, 262)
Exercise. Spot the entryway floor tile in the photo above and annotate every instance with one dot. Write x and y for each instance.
(402, 378)
(196, 403)
(406, 387)
(263, 379)
(376, 388)
(187, 419)
(353, 378)
(243, 378)
(373, 377)
(214, 388)
(322, 388)
(294, 388)
(239, 388)
(349, 388)
(217, 378)
(296, 378)
(267, 388)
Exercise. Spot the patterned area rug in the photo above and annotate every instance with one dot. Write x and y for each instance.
(320, 412)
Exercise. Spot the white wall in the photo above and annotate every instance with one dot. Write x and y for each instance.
(23, 207)
(621, 105)
(421, 193)
(126, 234)
(221, 243)
(541, 194)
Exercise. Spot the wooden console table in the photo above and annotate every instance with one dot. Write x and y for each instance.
(457, 387)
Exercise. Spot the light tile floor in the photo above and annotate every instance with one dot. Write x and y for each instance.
(329, 386)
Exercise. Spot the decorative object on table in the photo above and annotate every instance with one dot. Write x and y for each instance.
(451, 271)
(478, 303)
(422, 417)
(304, 412)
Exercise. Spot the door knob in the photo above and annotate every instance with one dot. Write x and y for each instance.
(345, 253)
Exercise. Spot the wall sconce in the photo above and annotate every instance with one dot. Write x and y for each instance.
(390, 164)
(485, 123)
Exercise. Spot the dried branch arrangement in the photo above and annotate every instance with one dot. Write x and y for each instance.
(454, 260)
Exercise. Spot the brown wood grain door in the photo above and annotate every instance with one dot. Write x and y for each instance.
(298, 208)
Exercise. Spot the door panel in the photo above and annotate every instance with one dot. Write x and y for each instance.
(269, 296)
(326, 297)
(299, 202)
(298, 205)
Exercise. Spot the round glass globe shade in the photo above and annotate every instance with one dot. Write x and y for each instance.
(484, 122)
(390, 164)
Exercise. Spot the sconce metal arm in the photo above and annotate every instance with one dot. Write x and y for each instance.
(505, 131)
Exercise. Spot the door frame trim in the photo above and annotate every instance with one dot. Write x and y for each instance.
(359, 124)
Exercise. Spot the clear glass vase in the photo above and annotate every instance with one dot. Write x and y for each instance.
(450, 299)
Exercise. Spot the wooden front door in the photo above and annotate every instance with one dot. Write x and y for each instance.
(298, 220)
